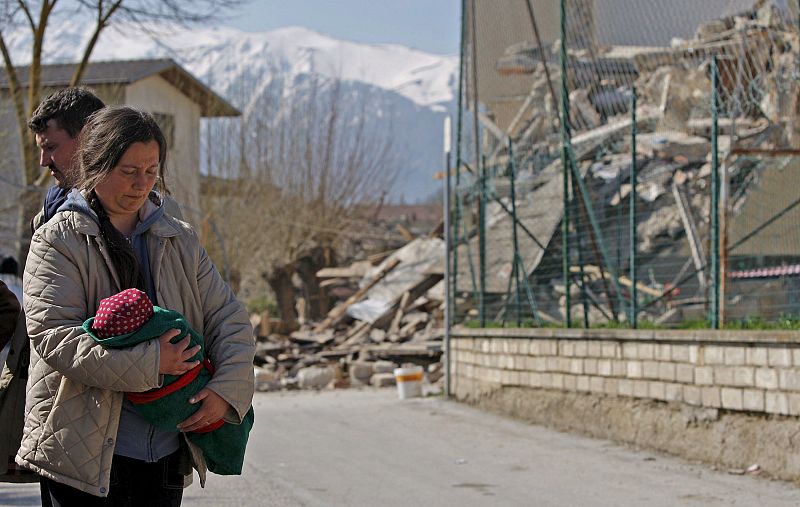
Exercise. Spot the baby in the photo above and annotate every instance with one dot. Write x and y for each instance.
(129, 318)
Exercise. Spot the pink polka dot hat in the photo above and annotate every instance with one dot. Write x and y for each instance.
(122, 313)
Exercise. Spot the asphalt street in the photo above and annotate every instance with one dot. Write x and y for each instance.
(366, 448)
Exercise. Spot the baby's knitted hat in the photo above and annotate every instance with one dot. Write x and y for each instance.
(122, 313)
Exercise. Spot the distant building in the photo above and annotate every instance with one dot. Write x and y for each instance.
(161, 87)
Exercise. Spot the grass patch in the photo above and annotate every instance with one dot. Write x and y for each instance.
(784, 323)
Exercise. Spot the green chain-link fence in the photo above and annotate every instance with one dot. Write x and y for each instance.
(641, 173)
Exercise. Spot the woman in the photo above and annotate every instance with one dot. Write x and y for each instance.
(85, 441)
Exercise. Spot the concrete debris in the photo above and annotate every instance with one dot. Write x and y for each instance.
(673, 145)
(315, 377)
(583, 112)
(435, 372)
(266, 379)
(393, 312)
(379, 367)
(753, 469)
(383, 380)
(377, 335)
(400, 322)
(360, 372)
(663, 225)
(759, 96)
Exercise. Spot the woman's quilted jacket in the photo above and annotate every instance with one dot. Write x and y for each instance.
(75, 388)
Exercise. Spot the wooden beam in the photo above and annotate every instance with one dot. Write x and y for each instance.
(338, 312)
(778, 152)
(356, 270)
(415, 292)
(692, 236)
(401, 310)
(623, 280)
(489, 125)
(405, 233)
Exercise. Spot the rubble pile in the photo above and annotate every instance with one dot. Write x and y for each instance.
(757, 53)
(394, 319)
(394, 316)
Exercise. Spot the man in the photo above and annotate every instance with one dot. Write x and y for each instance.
(56, 124)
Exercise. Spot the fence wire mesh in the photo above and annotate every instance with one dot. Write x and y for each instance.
(643, 172)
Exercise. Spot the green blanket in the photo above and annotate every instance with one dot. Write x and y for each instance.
(224, 447)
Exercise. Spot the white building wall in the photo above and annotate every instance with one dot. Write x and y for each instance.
(10, 178)
(155, 95)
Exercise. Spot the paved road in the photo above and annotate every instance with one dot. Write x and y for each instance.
(366, 448)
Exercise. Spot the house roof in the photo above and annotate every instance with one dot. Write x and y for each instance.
(125, 72)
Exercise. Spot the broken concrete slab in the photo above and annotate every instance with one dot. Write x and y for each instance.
(360, 372)
(674, 145)
(377, 335)
(584, 115)
(308, 336)
(418, 261)
(725, 126)
(315, 377)
(383, 367)
(383, 380)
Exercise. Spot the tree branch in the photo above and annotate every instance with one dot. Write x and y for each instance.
(102, 23)
(24, 7)
(19, 103)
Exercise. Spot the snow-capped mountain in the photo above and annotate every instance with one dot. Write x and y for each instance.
(410, 91)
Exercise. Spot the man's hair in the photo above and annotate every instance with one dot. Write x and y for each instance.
(70, 108)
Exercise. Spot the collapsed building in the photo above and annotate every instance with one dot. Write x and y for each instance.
(757, 53)
(508, 256)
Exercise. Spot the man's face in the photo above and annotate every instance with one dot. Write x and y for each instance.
(57, 152)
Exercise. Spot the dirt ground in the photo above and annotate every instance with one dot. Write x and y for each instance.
(723, 439)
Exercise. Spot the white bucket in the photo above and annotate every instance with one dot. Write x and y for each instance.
(409, 382)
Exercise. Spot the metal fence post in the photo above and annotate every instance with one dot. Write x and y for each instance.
(634, 297)
(457, 217)
(448, 300)
(564, 164)
(515, 269)
(481, 167)
(482, 245)
(715, 292)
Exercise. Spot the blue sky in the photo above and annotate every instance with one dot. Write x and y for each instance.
(429, 25)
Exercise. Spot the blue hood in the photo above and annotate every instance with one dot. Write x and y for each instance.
(151, 212)
(53, 201)
(153, 209)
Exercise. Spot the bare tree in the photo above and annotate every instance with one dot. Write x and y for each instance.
(36, 16)
(307, 161)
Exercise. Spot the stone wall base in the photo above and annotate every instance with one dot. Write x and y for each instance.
(726, 439)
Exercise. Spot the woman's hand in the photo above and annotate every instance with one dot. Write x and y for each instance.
(212, 409)
(173, 357)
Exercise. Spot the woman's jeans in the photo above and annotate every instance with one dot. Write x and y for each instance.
(134, 483)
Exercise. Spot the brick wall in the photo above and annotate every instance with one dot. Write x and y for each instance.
(753, 371)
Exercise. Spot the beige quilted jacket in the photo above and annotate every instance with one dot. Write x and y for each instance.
(74, 391)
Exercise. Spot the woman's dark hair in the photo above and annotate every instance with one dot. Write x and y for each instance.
(104, 140)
